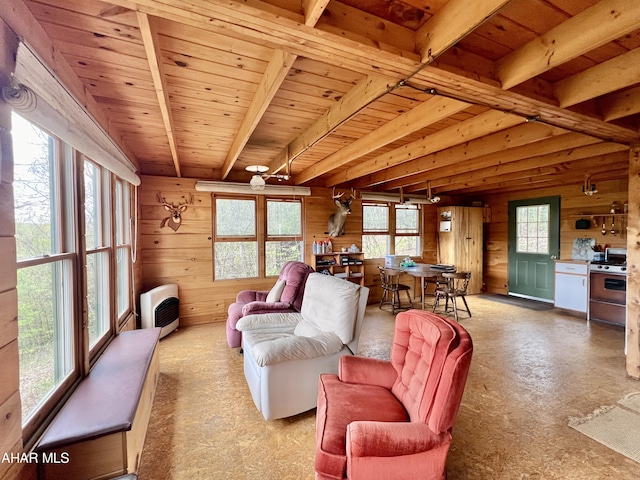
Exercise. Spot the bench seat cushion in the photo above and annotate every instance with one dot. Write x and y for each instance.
(106, 400)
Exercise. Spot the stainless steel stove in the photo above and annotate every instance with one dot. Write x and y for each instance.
(608, 287)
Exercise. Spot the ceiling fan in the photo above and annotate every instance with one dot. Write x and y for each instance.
(258, 180)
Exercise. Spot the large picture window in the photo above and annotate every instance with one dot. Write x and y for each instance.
(51, 224)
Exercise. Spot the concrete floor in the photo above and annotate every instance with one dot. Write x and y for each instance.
(531, 371)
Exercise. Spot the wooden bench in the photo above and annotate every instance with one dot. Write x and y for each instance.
(99, 432)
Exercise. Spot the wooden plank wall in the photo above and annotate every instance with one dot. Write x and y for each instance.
(185, 256)
(633, 281)
(10, 406)
(572, 203)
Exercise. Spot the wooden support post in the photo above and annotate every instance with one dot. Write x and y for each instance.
(633, 262)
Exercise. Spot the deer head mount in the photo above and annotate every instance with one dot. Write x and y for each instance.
(174, 220)
(338, 219)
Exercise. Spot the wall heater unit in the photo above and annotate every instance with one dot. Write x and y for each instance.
(159, 307)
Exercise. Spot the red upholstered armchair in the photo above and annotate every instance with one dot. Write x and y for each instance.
(294, 275)
(393, 420)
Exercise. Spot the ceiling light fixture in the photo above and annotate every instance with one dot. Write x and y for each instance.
(257, 181)
(432, 198)
(589, 188)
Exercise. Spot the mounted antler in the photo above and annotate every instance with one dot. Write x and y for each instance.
(174, 220)
(338, 219)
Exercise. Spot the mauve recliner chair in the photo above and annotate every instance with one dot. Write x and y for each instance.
(254, 302)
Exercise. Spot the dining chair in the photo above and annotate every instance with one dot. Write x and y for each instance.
(391, 288)
(455, 286)
(437, 281)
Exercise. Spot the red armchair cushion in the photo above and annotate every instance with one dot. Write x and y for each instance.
(370, 371)
(348, 403)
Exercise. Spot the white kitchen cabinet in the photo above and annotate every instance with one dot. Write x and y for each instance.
(572, 286)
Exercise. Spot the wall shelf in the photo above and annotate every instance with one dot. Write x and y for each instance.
(349, 266)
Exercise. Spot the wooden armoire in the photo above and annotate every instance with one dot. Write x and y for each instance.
(460, 242)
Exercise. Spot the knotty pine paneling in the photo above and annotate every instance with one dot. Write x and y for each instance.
(10, 406)
(318, 208)
(572, 203)
(185, 257)
(8, 317)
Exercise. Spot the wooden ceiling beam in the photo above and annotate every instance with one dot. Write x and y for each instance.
(377, 168)
(275, 73)
(621, 104)
(427, 113)
(519, 169)
(20, 19)
(521, 137)
(602, 23)
(454, 21)
(551, 177)
(313, 10)
(151, 43)
(362, 94)
(287, 31)
(615, 74)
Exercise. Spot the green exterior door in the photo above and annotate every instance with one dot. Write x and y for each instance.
(534, 242)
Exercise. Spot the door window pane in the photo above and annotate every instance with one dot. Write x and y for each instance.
(532, 229)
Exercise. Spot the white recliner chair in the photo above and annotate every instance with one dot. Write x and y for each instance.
(285, 353)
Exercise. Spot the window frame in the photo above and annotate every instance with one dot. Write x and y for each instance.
(261, 236)
(281, 238)
(391, 232)
(67, 181)
(417, 235)
(236, 238)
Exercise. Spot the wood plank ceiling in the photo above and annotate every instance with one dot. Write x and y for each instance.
(473, 97)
